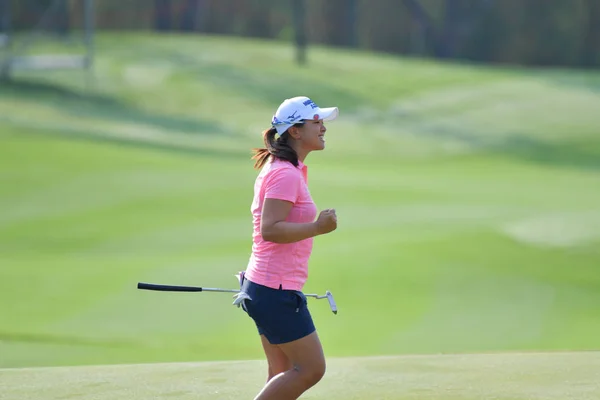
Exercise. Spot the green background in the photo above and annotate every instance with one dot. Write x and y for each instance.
(468, 202)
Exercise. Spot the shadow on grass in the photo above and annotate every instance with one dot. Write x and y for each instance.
(580, 153)
(273, 88)
(584, 80)
(572, 154)
(262, 86)
(108, 108)
(104, 107)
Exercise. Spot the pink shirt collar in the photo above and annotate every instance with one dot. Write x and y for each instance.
(302, 167)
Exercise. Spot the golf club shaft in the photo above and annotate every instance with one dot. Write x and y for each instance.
(175, 288)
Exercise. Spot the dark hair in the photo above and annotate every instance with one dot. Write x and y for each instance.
(279, 148)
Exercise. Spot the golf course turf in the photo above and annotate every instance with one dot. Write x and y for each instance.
(465, 264)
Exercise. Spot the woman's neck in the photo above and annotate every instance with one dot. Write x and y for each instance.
(301, 152)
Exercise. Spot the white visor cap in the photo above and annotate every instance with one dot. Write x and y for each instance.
(298, 109)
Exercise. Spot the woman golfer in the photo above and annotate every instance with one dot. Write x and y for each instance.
(285, 223)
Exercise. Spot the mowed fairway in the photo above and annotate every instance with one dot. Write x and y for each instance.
(468, 202)
(562, 376)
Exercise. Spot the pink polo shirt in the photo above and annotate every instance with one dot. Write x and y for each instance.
(274, 264)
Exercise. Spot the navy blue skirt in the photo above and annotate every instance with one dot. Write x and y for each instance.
(280, 315)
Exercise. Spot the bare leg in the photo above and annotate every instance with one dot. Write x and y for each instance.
(308, 360)
(276, 358)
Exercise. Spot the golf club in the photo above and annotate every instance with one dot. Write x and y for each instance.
(177, 288)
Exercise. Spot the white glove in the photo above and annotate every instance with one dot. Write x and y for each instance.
(239, 298)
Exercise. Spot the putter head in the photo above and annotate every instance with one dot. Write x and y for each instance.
(331, 302)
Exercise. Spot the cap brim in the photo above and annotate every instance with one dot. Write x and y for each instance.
(329, 113)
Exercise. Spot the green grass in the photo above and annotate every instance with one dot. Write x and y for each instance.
(468, 202)
(566, 376)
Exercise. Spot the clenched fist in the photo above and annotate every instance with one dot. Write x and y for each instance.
(327, 221)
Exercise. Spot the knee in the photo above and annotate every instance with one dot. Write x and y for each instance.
(313, 374)
(318, 373)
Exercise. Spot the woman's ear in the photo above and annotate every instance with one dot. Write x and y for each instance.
(294, 132)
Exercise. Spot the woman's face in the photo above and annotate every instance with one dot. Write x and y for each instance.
(312, 135)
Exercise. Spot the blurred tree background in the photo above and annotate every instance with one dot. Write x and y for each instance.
(532, 32)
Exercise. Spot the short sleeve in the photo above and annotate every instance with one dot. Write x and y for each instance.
(282, 184)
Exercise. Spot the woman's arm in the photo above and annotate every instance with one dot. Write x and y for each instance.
(275, 228)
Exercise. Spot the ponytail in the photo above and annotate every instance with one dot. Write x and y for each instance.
(279, 148)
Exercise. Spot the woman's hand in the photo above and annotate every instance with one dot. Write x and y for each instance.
(327, 221)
